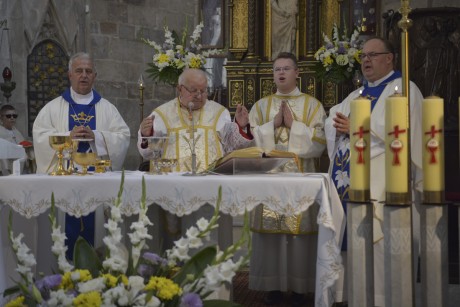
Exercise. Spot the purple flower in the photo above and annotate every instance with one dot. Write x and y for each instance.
(154, 258)
(145, 270)
(329, 46)
(341, 49)
(191, 300)
(47, 283)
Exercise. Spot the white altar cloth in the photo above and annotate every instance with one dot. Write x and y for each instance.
(289, 194)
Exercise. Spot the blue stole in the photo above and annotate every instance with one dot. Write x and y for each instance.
(341, 163)
(80, 115)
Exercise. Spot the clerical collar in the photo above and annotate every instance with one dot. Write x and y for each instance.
(377, 82)
(71, 96)
(81, 99)
(295, 92)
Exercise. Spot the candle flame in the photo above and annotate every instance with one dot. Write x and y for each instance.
(396, 89)
(141, 81)
(360, 92)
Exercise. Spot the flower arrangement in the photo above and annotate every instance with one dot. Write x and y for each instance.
(129, 279)
(173, 56)
(338, 58)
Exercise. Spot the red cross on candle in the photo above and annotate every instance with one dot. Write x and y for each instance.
(396, 145)
(360, 144)
(432, 145)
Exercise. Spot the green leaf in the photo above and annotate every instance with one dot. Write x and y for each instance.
(196, 264)
(36, 294)
(85, 257)
(219, 303)
(10, 291)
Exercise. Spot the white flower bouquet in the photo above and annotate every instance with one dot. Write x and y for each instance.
(338, 59)
(173, 56)
(137, 278)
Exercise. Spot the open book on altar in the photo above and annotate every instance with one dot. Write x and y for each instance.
(254, 160)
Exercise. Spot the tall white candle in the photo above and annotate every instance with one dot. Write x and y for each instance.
(433, 144)
(396, 143)
(360, 158)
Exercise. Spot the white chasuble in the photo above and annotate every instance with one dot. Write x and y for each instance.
(305, 138)
(178, 126)
(112, 134)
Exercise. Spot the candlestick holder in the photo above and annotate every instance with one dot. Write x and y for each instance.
(140, 82)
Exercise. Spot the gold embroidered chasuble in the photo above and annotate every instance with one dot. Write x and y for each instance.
(306, 139)
(178, 123)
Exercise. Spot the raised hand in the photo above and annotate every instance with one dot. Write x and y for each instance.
(242, 116)
(147, 126)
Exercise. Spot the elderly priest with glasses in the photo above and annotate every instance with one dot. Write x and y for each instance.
(214, 133)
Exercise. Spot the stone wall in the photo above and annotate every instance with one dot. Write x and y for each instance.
(110, 30)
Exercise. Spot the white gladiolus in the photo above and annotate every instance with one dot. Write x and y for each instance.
(96, 284)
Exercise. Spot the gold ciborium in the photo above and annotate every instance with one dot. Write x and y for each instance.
(167, 165)
(102, 165)
(84, 159)
(156, 144)
(59, 143)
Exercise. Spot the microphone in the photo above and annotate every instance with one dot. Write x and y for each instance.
(190, 106)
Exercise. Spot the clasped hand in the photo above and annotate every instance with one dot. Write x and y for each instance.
(284, 116)
(342, 123)
(81, 132)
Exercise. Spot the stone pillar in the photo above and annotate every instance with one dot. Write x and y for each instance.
(434, 254)
(360, 254)
(397, 232)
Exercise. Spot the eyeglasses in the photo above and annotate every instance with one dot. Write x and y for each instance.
(371, 55)
(11, 115)
(285, 68)
(195, 92)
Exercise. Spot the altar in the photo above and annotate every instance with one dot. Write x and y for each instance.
(289, 194)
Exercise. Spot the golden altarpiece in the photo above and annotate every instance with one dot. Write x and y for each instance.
(249, 40)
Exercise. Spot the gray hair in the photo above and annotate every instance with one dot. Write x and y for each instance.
(190, 72)
(81, 55)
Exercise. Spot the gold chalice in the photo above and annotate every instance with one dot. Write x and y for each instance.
(59, 143)
(74, 148)
(156, 144)
(84, 159)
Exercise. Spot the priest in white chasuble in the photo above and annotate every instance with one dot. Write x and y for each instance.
(284, 248)
(214, 132)
(83, 114)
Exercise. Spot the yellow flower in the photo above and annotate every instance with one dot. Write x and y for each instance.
(356, 56)
(165, 288)
(328, 61)
(195, 63)
(17, 302)
(112, 281)
(85, 275)
(88, 299)
(163, 58)
(66, 282)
